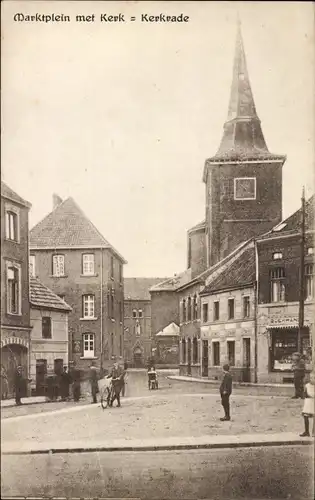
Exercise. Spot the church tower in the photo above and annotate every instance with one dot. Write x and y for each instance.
(243, 180)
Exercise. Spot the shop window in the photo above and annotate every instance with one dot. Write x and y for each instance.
(231, 308)
(277, 276)
(231, 352)
(216, 353)
(246, 307)
(205, 313)
(216, 310)
(88, 345)
(309, 281)
(284, 344)
(46, 327)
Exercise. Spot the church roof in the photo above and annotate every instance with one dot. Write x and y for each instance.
(68, 227)
(243, 138)
(43, 297)
(138, 288)
(7, 192)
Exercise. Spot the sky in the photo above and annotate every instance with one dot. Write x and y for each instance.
(122, 116)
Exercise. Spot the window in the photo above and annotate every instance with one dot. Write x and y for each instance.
(310, 251)
(183, 351)
(112, 267)
(11, 225)
(205, 313)
(277, 256)
(120, 273)
(246, 307)
(184, 310)
(216, 310)
(88, 345)
(195, 350)
(46, 327)
(309, 281)
(140, 313)
(121, 312)
(231, 352)
(88, 264)
(245, 188)
(137, 329)
(189, 309)
(120, 345)
(112, 304)
(32, 266)
(58, 265)
(134, 313)
(230, 308)
(88, 306)
(13, 290)
(216, 353)
(277, 284)
(195, 307)
(284, 344)
(112, 343)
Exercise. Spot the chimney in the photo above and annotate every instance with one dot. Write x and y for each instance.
(56, 201)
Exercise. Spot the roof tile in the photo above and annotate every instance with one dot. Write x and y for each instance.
(41, 296)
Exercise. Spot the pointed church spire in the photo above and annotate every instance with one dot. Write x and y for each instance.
(242, 136)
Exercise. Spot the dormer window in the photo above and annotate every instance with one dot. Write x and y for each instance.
(277, 256)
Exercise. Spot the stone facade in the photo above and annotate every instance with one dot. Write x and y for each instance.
(138, 338)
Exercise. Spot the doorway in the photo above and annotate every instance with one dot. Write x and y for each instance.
(205, 358)
(13, 355)
(58, 366)
(41, 372)
(189, 356)
(137, 358)
(246, 359)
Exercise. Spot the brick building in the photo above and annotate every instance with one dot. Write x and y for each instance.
(15, 306)
(138, 339)
(71, 257)
(278, 254)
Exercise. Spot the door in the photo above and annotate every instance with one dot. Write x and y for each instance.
(246, 360)
(205, 358)
(137, 358)
(189, 356)
(41, 372)
(58, 366)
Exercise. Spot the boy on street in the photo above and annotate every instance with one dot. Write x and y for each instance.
(226, 391)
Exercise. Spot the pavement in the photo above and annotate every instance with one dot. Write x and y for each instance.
(8, 403)
(183, 378)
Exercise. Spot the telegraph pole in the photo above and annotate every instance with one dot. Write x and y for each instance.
(302, 275)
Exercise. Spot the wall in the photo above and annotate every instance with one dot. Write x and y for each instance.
(73, 286)
(49, 349)
(225, 236)
(224, 329)
(197, 252)
(164, 310)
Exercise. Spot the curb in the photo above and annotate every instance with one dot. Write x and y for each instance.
(162, 447)
(217, 382)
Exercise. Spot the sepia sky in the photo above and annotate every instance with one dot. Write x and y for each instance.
(122, 116)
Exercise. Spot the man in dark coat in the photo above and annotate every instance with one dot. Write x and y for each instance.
(226, 391)
(76, 383)
(65, 381)
(19, 385)
(93, 381)
(117, 375)
(298, 368)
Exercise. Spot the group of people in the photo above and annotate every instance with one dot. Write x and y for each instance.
(118, 376)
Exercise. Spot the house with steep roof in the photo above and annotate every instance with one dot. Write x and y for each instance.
(138, 338)
(49, 337)
(72, 258)
(15, 307)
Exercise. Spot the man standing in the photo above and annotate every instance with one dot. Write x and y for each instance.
(226, 391)
(19, 385)
(76, 383)
(298, 368)
(64, 384)
(93, 382)
(117, 376)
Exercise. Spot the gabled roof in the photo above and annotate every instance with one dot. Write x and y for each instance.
(292, 224)
(172, 330)
(7, 192)
(43, 297)
(68, 227)
(242, 137)
(171, 284)
(138, 288)
(239, 273)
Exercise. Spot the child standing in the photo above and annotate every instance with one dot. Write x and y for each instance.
(308, 408)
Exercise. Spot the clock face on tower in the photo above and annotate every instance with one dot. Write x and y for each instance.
(245, 188)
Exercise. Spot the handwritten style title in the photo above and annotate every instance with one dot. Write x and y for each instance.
(105, 18)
